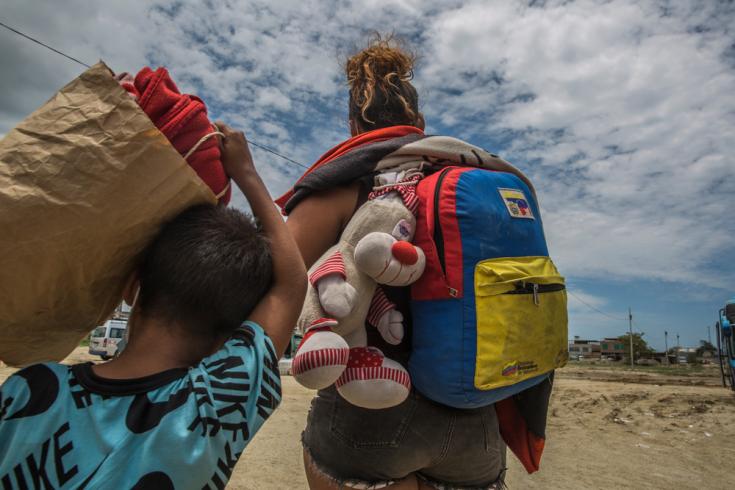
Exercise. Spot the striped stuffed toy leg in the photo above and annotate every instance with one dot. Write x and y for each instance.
(371, 380)
(321, 356)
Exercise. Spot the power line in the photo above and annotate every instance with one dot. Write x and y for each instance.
(593, 308)
(271, 150)
(262, 147)
(44, 45)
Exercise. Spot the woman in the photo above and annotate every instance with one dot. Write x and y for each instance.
(418, 444)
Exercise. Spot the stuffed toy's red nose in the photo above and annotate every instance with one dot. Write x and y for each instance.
(405, 253)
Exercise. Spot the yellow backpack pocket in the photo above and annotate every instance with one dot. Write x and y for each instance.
(521, 311)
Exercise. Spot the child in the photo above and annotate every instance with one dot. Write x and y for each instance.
(196, 381)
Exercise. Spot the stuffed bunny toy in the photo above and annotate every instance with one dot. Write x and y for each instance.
(344, 293)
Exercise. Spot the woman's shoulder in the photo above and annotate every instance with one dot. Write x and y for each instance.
(337, 204)
(317, 222)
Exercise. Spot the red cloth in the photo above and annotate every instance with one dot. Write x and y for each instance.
(182, 118)
(346, 146)
(526, 445)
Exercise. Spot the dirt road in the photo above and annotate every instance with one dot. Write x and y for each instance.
(606, 435)
(617, 430)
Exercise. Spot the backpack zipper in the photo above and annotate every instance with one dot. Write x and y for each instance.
(523, 287)
(438, 235)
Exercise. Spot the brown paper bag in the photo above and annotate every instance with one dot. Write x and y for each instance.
(85, 182)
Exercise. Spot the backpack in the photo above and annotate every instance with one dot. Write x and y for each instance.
(489, 312)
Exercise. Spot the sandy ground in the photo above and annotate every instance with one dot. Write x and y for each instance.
(601, 434)
(607, 429)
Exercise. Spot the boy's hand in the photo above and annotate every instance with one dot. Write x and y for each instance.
(236, 157)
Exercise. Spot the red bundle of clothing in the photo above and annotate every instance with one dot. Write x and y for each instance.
(182, 118)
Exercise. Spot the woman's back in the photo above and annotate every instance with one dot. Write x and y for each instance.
(418, 440)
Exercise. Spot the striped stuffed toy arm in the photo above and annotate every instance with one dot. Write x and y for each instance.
(384, 316)
(336, 295)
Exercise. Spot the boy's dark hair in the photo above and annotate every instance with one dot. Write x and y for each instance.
(205, 271)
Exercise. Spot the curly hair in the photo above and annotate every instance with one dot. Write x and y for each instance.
(379, 77)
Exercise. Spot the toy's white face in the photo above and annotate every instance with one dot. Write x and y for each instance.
(388, 260)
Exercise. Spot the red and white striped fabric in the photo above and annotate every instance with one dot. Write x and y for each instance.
(318, 358)
(379, 306)
(368, 363)
(319, 325)
(406, 189)
(373, 381)
(333, 265)
(321, 357)
(374, 373)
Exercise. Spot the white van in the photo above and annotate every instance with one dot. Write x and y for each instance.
(103, 340)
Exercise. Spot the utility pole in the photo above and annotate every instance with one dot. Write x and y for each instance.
(630, 329)
(666, 346)
(677, 348)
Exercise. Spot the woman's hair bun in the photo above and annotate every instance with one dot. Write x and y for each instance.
(380, 75)
(381, 59)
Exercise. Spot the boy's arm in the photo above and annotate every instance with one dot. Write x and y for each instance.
(279, 309)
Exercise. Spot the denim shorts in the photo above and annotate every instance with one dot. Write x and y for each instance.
(447, 447)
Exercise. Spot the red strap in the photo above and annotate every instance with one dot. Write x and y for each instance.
(526, 445)
(439, 282)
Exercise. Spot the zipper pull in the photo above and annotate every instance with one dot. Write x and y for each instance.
(535, 294)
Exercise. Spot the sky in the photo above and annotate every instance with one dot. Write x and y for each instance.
(621, 112)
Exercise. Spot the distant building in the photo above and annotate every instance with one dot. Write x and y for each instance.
(660, 356)
(614, 348)
(583, 349)
(686, 355)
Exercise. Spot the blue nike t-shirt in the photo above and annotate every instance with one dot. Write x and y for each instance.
(64, 427)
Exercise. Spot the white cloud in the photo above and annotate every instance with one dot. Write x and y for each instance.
(627, 114)
(622, 112)
(587, 299)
